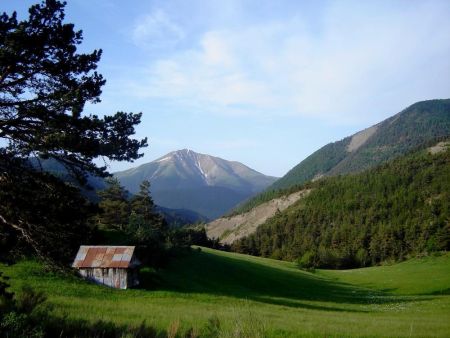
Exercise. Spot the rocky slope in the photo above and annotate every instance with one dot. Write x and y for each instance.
(229, 229)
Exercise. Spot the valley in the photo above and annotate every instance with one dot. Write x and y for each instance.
(259, 297)
(111, 226)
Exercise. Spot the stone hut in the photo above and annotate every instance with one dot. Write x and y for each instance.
(114, 266)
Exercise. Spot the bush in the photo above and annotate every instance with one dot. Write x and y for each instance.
(14, 324)
(28, 300)
(307, 261)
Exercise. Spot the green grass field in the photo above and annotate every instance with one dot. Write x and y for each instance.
(257, 297)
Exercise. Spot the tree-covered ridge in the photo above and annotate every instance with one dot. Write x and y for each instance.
(386, 213)
(319, 163)
(421, 124)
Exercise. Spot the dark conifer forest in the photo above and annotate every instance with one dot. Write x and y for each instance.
(387, 213)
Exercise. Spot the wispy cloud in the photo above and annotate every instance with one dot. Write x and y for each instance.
(375, 58)
(156, 30)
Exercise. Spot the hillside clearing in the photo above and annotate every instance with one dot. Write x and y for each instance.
(440, 147)
(360, 138)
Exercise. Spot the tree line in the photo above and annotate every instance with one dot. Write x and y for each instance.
(125, 219)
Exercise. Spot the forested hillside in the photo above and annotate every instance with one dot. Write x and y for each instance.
(418, 125)
(386, 213)
(315, 165)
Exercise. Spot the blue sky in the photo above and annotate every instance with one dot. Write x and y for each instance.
(265, 83)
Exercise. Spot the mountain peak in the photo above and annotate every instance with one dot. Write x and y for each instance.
(187, 153)
(184, 151)
(183, 177)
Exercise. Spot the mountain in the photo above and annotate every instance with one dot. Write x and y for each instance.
(56, 168)
(423, 122)
(202, 183)
(390, 212)
(174, 217)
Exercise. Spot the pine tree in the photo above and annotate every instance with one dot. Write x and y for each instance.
(144, 219)
(142, 204)
(44, 85)
(114, 205)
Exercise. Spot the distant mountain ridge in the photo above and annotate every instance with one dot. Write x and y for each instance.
(420, 123)
(206, 184)
(174, 217)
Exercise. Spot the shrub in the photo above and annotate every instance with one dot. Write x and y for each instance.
(307, 261)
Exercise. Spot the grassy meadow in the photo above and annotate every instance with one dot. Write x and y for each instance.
(258, 297)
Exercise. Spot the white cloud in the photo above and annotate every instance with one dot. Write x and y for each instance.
(156, 30)
(350, 69)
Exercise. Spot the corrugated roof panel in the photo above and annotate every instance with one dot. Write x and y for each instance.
(90, 256)
(117, 257)
(123, 264)
(81, 255)
(104, 257)
(126, 257)
(108, 257)
(98, 260)
(121, 250)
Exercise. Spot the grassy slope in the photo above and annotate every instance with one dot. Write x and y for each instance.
(403, 300)
(424, 276)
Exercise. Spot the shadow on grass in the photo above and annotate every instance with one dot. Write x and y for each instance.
(298, 304)
(440, 292)
(216, 274)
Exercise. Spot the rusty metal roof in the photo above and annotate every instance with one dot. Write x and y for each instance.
(105, 257)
